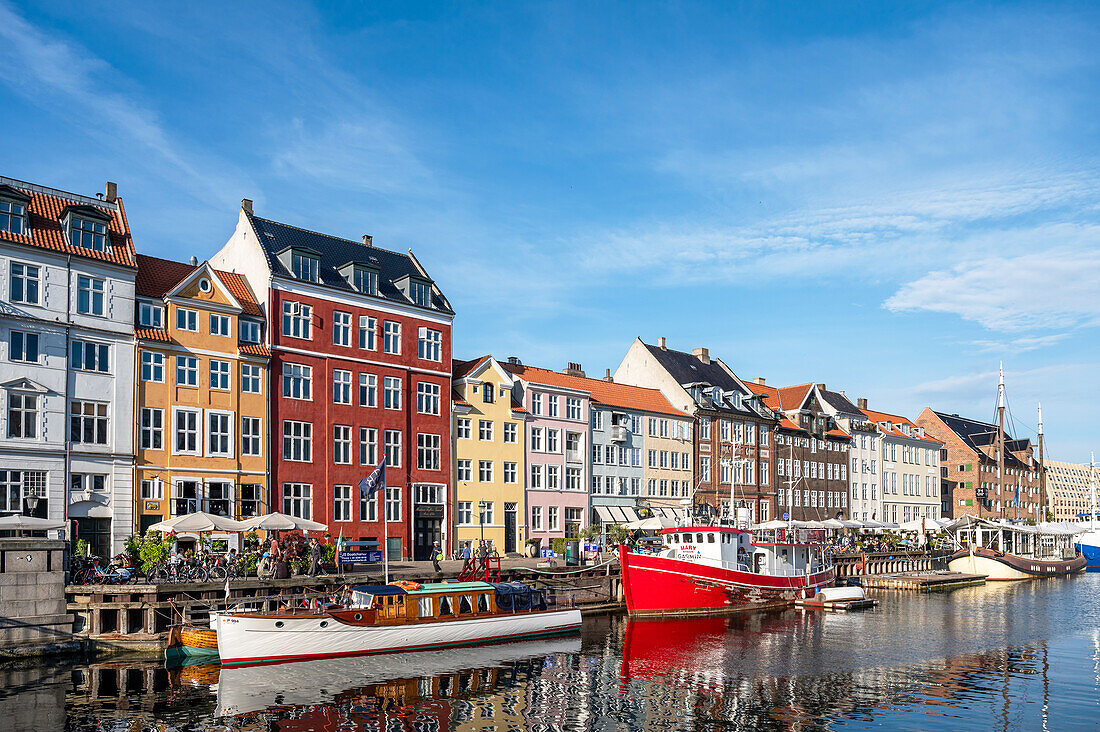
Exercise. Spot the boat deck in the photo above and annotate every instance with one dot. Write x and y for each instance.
(922, 581)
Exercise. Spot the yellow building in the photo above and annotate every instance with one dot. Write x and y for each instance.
(202, 394)
(489, 468)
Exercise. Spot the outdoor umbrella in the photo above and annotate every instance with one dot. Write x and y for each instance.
(18, 522)
(200, 521)
(833, 524)
(773, 524)
(852, 524)
(281, 522)
(653, 523)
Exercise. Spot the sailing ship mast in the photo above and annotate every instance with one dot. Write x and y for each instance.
(1092, 481)
(1000, 437)
(1042, 465)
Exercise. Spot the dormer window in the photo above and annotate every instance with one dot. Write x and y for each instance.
(416, 289)
(87, 227)
(150, 315)
(250, 331)
(362, 278)
(716, 395)
(304, 266)
(13, 213)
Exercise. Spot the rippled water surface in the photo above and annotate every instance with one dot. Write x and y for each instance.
(1008, 656)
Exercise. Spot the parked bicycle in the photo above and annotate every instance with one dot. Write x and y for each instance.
(92, 572)
(177, 569)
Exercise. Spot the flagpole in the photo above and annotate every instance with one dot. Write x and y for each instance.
(385, 539)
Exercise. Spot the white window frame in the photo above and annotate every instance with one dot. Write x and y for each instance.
(197, 430)
(187, 320)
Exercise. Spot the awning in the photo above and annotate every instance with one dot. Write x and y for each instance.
(616, 514)
(668, 512)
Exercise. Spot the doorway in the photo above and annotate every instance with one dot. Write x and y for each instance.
(428, 531)
(96, 532)
(510, 521)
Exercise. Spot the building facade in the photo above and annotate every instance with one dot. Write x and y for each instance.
(556, 453)
(490, 470)
(864, 459)
(732, 449)
(1069, 490)
(68, 364)
(361, 363)
(202, 394)
(910, 468)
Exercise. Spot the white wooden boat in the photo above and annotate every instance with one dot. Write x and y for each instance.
(391, 618)
(1002, 551)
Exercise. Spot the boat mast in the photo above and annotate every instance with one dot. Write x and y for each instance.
(1092, 472)
(1001, 433)
(1042, 466)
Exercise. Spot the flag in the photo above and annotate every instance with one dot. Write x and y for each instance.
(374, 482)
(339, 544)
(226, 588)
(1017, 492)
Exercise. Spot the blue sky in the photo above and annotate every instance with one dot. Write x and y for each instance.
(887, 198)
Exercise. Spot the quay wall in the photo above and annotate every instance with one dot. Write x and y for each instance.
(33, 615)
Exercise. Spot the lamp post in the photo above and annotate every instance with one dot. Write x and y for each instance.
(481, 519)
(32, 504)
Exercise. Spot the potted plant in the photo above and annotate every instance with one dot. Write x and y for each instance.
(533, 547)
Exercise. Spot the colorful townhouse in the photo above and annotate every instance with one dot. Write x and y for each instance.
(67, 369)
(490, 469)
(202, 393)
(556, 451)
(360, 343)
(732, 448)
(910, 461)
(864, 453)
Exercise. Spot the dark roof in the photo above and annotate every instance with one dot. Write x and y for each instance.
(689, 369)
(839, 402)
(978, 434)
(335, 253)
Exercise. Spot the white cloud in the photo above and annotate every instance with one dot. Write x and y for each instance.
(1023, 344)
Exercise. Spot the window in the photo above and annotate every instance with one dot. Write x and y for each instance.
(22, 415)
(485, 430)
(488, 392)
(420, 293)
(552, 441)
(13, 216)
(152, 428)
(341, 503)
(429, 344)
(23, 282)
(219, 374)
(511, 473)
(536, 518)
(536, 439)
(428, 452)
(187, 371)
(552, 518)
(365, 280)
(393, 448)
(341, 328)
(303, 266)
(536, 477)
(187, 319)
(251, 434)
(341, 444)
(573, 479)
(297, 320)
(573, 408)
(341, 386)
(484, 471)
(88, 356)
(465, 470)
(553, 477)
(87, 233)
(250, 378)
(219, 325)
(219, 434)
(465, 513)
(427, 398)
(297, 441)
(23, 346)
(551, 406)
(391, 337)
(152, 366)
(187, 432)
(704, 428)
(368, 508)
(297, 500)
(486, 508)
(185, 496)
(368, 390)
(368, 328)
(249, 331)
(393, 504)
(89, 295)
(297, 381)
(391, 392)
(704, 469)
(152, 490)
(536, 404)
(510, 432)
(368, 446)
(88, 422)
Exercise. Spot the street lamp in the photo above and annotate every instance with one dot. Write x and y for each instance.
(481, 518)
(32, 504)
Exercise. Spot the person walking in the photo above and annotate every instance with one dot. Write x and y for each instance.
(437, 554)
(482, 550)
(275, 552)
(314, 558)
(466, 551)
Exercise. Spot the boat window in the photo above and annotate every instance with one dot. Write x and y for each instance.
(710, 538)
(465, 605)
(445, 606)
(483, 603)
(425, 607)
(698, 538)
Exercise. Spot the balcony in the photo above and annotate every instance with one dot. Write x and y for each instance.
(619, 433)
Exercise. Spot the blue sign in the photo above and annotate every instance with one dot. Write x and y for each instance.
(591, 547)
(786, 517)
(547, 553)
(359, 557)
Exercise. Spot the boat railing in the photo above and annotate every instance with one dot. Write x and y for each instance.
(815, 568)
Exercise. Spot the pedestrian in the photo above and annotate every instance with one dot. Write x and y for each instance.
(482, 550)
(314, 558)
(437, 554)
(275, 551)
(263, 567)
(466, 550)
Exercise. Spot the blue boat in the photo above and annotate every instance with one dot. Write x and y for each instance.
(1088, 543)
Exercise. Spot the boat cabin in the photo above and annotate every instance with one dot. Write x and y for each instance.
(735, 549)
(440, 601)
(1021, 540)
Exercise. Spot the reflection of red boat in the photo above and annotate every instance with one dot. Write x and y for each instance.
(714, 569)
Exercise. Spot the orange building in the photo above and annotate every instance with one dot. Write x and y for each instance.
(202, 393)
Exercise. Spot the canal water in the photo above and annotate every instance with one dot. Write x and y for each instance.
(1021, 656)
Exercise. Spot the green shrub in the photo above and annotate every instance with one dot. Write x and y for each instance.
(558, 543)
(81, 548)
(153, 550)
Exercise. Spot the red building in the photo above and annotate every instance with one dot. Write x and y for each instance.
(360, 342)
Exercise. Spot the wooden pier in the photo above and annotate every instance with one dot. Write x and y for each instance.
(921, 581)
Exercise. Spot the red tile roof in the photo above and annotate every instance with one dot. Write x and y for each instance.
(156, 277)
(791, 397)
(517, 407)
(787, 424)
(458, 399)
(460, 369)
(837, 432)
(254, 349)
(894, 419)
(45, 230)
(603, 392)
(152, 334)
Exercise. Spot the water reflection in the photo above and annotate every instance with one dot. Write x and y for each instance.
(1021, 656)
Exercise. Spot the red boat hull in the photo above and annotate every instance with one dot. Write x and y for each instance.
(656, 585)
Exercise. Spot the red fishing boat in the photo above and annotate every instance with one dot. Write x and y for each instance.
(718, 569)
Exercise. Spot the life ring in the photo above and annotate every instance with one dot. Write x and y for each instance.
(859, 567)
(406, 584)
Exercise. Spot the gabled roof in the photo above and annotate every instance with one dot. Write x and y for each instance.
(44, 229)
(972, 432)
(157, 277)
(336, 253)
(687, 369)
(603, 392)
(896, 419)
(838, 401)
(781, 399)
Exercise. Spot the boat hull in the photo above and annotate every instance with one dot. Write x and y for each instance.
(255, 639)
(1001, 567)
(655, 585)
(1089, 546)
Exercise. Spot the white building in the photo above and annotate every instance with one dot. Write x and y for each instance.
(67, 365)
(864, 467)
(910, 468)
(1069, 489)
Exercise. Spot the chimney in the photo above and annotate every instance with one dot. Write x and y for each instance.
(246, 205)
(194, 261)
(820, 387)
(608, 376)
(514, 360)
(702, 354)
(759, 380)
(112, 192)
(661, 343)
(573, 369)
(861, 403)
(368, 240)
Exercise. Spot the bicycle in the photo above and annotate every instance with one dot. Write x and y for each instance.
(112, 575)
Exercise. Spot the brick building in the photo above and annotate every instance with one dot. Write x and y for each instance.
(360, 342)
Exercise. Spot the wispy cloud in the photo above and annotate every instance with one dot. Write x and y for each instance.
(1023, 344)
